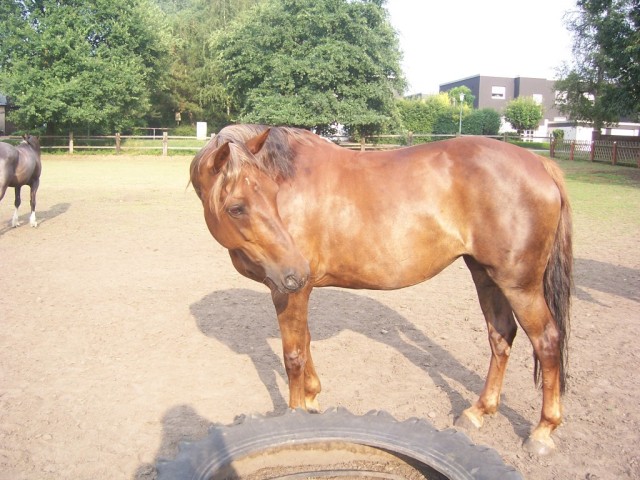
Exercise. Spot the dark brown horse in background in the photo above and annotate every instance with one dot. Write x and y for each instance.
(297, 212)
(20, 166)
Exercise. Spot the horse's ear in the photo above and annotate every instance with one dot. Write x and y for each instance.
(218, 159)
(256, 143)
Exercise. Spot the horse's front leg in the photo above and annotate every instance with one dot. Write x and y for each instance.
(15, 222)
(304, 384)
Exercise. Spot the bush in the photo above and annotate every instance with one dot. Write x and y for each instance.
(485, 121)
(184, 131)
(558, 134)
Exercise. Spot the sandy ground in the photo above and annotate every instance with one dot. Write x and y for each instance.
(125, 330)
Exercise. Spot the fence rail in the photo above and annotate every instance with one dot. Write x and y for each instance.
(606, 151)
(159, 141)
(119, 143)
(392, 141)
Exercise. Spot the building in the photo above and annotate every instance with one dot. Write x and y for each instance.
(497, 92)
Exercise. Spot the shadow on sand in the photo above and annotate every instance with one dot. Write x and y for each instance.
(254, 323)
(42, 216)
(606, 278)
(255, 320)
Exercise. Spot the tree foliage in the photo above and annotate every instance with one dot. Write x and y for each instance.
(454, 96)
(485, 121)
(102, 65)
(420, 116)
(312, 63)
(603, 82)
(440, 114)
(77, 63)
(192, 89)
(523, 113)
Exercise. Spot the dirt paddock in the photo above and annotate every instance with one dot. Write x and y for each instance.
(126, 330)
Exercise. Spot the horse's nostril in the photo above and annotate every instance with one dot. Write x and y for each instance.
(292, 283)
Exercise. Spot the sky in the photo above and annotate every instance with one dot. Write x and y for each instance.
(444, 41)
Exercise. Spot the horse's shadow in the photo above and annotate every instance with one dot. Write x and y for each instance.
(606, 278)
(181, 423)
(254, 322)
(42, 216)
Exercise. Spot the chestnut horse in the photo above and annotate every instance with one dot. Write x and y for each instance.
(20, 166)
(297, 212)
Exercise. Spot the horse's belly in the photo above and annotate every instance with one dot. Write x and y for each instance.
(384, 269)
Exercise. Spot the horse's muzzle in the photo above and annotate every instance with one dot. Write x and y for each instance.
(292, 283)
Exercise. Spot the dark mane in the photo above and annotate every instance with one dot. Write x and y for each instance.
(275, 158)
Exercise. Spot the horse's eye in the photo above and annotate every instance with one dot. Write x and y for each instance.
(236, 210)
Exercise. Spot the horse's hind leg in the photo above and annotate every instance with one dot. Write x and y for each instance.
(536, 320)
(14, 221)
(502, 329)
(34, 190)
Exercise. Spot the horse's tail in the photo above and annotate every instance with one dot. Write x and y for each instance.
(558, 277)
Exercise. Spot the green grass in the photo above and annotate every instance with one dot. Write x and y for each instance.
(604, 192)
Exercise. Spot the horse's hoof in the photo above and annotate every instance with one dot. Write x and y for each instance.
(464, 422)
(34, 224)
(537, 447)
(312, 406)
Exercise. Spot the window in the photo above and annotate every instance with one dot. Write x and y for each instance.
(498, 93)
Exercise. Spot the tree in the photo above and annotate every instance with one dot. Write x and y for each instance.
(523, 113)
(454, 96)
(312, 63)
(485, 121)
(192, 87)
(419, 116)
(603, 82)
(79, 63)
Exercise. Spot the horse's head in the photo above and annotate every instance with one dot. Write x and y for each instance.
(240, 209)
(32, 141)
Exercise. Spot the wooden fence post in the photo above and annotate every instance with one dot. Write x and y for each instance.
(362, 142)
(118, 143)
(552, 148)
(165, 144)
(71, 143)
(410, 138)
(573, 148)
(614, 158)
(592, 153)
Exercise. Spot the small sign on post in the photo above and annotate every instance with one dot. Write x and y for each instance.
(201, 130)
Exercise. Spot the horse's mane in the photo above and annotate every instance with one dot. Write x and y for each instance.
(276, 158)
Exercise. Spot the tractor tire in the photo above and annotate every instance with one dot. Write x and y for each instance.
(337, 445)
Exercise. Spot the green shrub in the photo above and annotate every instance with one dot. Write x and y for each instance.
(184, 131)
